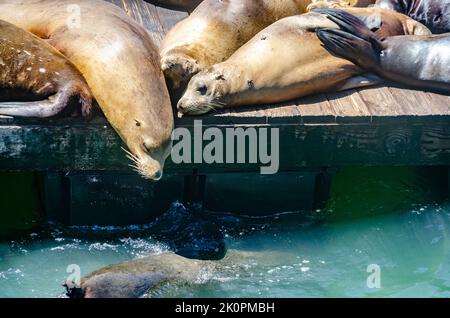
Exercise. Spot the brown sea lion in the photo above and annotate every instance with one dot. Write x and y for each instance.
(285, 61)
(136, 278)
(181, 5)
(216, 29)
(434, 14)
(119, 62)
(146, 276)
(421, 61)
(31, 69)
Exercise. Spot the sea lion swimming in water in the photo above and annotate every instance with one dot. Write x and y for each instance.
(182, 5)
(145, 277)
(420, 61)
(283, 62)
(138, 277)
(216, 29)
(434, 14)
(32, 69)
(120, 63)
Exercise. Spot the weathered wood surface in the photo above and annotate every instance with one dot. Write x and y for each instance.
(384, 125)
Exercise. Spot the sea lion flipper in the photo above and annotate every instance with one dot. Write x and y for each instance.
(49, 107)
(352, 24)
(348, 46)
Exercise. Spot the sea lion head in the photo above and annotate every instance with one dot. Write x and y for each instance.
(179, 68)
(207, 91)
(147, 154)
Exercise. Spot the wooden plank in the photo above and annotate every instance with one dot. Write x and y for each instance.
(415, 103)
(349, 107)
(440, 103)
(381, 104)
(170, 18)
(233, 116)
(316, 109)
(118, 3)
(286, 113)
(97, 147)
(147, 15)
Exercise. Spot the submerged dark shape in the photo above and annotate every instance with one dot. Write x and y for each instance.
(435, 14)
(181, 5)
(418, 60)
(35, 79)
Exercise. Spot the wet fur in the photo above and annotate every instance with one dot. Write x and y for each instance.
(419, 60)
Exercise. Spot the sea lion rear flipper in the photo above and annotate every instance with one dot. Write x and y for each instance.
(51, 106)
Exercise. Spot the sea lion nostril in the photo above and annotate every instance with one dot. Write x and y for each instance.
(158, 175)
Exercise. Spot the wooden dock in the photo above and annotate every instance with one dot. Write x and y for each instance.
(386, 125)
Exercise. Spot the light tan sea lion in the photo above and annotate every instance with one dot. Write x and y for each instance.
(283, 62)
(119, 62)
(216, 29)
(35, 79)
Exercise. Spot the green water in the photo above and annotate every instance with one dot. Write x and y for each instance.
(396, 220)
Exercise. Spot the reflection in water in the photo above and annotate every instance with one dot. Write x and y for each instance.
(393, 218)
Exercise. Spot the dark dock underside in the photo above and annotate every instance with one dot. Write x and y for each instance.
(379, 126)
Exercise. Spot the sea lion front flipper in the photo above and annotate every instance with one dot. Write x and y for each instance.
(350, 47)
(359, 81)
(351, 24)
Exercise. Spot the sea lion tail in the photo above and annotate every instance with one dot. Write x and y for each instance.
(354, 41)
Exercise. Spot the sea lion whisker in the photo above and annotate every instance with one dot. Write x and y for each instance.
(134, 159)
(126, 151)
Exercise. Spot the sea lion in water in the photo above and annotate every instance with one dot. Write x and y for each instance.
(421, 61)
(144, 277)
(119, 62)
(216, 29)
(434, 14)
(32, 69)
(182, 5)
(283, 62)
(138, 277)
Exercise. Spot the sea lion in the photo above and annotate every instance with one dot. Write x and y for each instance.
(181, 5)
(216, 29)
(421, 61)
(146, 276)
(283, 62)
(31, 69)
(120, 63)
(434, 14)
(138, 277)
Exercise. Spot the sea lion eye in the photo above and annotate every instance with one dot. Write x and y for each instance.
(203, 89)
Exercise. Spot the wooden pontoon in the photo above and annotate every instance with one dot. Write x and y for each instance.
(387, 125)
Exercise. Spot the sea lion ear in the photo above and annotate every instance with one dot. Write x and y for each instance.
(373, 21)
(416, 28)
